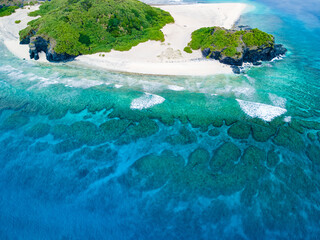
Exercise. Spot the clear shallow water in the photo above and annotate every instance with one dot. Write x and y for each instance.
(79, 161)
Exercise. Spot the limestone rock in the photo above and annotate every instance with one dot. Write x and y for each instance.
(272, 159)
(38, 130)
(239, 130)
(289, 138)
(262, 133)
(213, 132)
(185, 136)
(313, 153)
(224, 158)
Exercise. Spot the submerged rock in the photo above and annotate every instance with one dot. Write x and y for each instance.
(153, 171)
(213, 132)
(262, 133)
(276, 201)
(289, 138)
(252, 162)
(86, 133)
(14, 121)
(114, 128)
(41, 146)
(38, 130)
(102, 153)
(185, 136)
(60, 131)
(253, 156)
(312, 136)
(239, 130)
(297, 179)
(199, 159)
(66, 146)
(224, 158)
(272, 159)
(145, 128)
(313, 153)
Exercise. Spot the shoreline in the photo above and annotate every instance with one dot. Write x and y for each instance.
(9, 32)
(151, 57)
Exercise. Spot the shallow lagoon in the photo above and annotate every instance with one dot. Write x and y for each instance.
(233, 157)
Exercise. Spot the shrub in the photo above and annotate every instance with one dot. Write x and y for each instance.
(17, 21)
(257, 37)
(33, 14)
(187, 50)
(6, 11)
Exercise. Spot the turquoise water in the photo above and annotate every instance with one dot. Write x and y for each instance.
(225, 157)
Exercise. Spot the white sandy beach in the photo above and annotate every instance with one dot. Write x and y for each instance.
(9, 32)
(152, 57)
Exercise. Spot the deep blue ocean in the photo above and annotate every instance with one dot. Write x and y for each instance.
(225, 157)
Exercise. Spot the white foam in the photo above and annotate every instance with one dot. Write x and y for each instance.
(251, 79)
(175, 88)
(260, 110)
(287, 119)
(148, 100)
(277, 58)
(277, 101)
(16, 75)
(246, 91)
(7, 68)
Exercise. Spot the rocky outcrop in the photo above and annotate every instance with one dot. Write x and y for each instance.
(245, 54)
(251, 55)
(39, 44)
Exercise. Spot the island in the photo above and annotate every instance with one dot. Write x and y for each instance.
(131, 36)
(234, 47)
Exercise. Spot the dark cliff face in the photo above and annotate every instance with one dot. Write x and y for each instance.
(38, 44)
(248, 55)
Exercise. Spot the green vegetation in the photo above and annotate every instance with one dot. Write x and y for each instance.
(228, 41)
(201, 38)
(19, 3)
(89, 26)
(187, 50)
(6, 11)
(17, 21)
(33, 14)
(255, 37)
